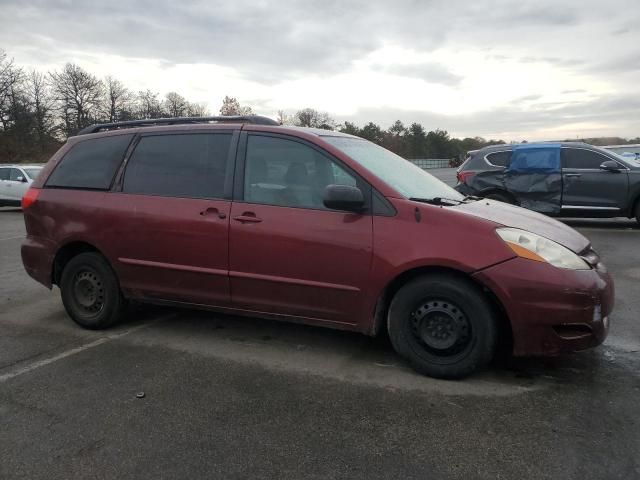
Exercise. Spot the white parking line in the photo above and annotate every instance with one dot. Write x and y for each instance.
(47, 361)
(12, 238)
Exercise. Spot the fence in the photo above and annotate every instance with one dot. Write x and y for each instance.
(426, 163)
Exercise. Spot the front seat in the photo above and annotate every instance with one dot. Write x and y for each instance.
(298, 186)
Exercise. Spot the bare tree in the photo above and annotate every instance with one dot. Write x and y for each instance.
(231, 106)
(117, 100)
(284, 119)
(148, 105)
(309, 117)
(11, 78)
(79, 95)
(42, 104)
(197, 110)
(175, 105)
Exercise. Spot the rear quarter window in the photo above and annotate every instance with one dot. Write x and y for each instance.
(91, 163)
(499, 159)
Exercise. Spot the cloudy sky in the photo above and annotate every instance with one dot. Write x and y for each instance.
(517, 69)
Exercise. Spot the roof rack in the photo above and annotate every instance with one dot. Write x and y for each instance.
(149, 122)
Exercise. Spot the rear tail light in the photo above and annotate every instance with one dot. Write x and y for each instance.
(30, 197)
(463, 176)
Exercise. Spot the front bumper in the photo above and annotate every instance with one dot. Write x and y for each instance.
(552, 310)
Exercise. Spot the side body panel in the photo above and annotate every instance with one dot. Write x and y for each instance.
(293, 261)
(593, 188)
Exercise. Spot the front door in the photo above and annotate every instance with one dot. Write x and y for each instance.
(288, 253)
(171, 219)
(587, 187)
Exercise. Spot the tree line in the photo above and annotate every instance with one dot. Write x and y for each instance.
(38, 111)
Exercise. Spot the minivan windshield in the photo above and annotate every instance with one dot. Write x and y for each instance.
(400, 174)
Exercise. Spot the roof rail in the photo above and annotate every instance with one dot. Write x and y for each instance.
(149, 122)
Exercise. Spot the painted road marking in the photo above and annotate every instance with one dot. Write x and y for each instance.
(47, 361)
(11, 238)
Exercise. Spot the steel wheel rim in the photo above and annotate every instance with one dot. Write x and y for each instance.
(88, 292)
(441, 328)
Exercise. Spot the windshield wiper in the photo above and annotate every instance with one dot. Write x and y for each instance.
(472, 197)
(437, 200)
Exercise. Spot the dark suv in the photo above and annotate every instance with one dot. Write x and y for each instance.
(241, 215)
(567, 179)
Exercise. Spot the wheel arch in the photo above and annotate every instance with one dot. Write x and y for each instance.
(66, 253)
(384, 299)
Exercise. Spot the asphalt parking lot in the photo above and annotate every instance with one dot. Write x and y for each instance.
(228, 397)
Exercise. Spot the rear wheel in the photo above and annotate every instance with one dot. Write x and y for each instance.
(443, 325)
(90, 291)
(501, 197)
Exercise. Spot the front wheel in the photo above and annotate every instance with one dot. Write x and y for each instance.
(443, 326)
(90, 292)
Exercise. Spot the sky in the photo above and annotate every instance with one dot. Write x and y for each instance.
(518, 69)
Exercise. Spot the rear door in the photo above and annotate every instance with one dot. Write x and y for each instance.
(288, 253)
(534, 177)
(587, 187)
(170, 221)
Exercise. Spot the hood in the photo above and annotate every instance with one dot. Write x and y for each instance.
(517, 217)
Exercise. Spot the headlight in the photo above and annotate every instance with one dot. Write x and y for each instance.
(534, 247)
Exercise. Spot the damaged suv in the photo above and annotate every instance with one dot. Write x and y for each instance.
(244, 216)
(560, 179)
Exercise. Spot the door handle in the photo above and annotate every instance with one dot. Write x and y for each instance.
(212, 211)
(572, 174)
(247, 217)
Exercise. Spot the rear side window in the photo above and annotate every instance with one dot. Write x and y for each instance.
(579, 158)
(90, 163)
(499, 159)
(189, 165)
(535, 159)
(4, 173)
(16, 175)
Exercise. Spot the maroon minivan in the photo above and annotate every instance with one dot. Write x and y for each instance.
(241, 215)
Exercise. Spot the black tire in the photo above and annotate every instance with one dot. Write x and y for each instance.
(501, 197)
(443, 326)
(90, 292)
(637, 212)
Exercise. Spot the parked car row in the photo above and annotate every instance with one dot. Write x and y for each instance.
(14, 182)
(248, 217)
(566, 179)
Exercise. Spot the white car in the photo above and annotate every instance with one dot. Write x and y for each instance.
(14, 182)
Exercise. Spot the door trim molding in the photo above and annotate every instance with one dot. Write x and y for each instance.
(586, 207)
(173, 266)
(293, 281)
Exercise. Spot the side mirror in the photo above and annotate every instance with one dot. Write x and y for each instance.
(610, 166)
(20, 178)
(343, 197)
